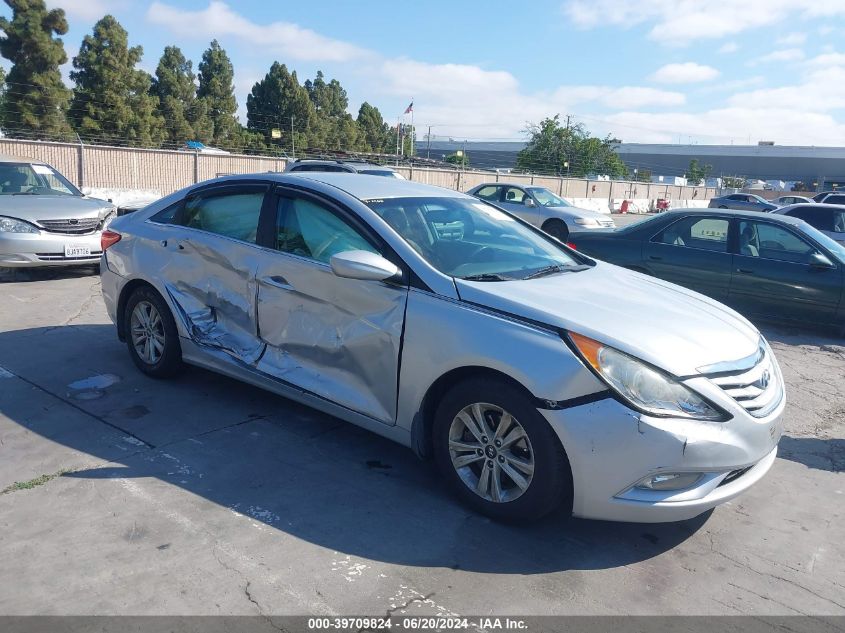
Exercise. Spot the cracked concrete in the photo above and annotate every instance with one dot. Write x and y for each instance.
(202, 495)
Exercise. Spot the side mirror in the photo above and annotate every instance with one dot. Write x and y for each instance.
(528, 201)
(362, 265)
(820, 261)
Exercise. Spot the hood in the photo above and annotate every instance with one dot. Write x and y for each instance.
(668, 326)
(35, 208)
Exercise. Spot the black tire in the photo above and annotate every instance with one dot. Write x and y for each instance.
(557, 229)
(550, 485)
(169, 362)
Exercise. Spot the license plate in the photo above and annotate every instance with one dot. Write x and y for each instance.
(77, 251)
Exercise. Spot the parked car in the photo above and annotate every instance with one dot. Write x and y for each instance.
(742, 202)
(541, 207)
(349, 166)
(820, 197)
(202, 148)
(44, 219)
(827, 218)
(770, 266)
(833, 198)
(534, 375)
(792, 199)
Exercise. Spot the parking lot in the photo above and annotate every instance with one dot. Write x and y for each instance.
(202, 495)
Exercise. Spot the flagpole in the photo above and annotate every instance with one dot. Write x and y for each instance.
(412, 127)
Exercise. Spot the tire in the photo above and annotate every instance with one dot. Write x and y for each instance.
(557, 229)
(543, 490)
(162, 332)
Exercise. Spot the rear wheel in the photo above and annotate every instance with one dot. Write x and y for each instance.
(151, 334)
(498, 453)
(557, 229)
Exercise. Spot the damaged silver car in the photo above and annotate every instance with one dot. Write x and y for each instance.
(535, 376)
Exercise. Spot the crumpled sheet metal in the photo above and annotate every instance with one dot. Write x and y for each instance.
(350, 356)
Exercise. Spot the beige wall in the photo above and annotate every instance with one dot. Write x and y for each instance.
(167, 171)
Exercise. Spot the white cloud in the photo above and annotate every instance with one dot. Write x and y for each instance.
(87, 10)
(784, 55)
(679, 22)
(827, 60)
(285, 38)
(686, 73)
(728, 47)
(821, 90)
(793, 39)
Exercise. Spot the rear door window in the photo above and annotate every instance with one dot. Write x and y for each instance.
(232, 213)
(490, 192)
(817, 217)
(706, 233)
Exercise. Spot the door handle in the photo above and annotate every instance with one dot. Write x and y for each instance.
(745, 271)
(656, 258)
(277, 281)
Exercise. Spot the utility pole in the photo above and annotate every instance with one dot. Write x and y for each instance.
(292, 139)
(428, 146)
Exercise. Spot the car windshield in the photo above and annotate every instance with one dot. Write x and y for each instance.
(547, 198)
(378, 172)
(18, 179)
(470, 239)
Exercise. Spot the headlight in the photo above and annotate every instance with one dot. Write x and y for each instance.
(586, 222)
(645, 388)
(13, 225)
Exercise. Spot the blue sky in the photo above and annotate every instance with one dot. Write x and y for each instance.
(719, 71)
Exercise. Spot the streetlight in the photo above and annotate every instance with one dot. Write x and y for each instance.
(566, 164)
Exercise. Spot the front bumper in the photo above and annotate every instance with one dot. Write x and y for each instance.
(611, 448)
(26, 250)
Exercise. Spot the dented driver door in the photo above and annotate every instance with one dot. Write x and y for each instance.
(334, 337)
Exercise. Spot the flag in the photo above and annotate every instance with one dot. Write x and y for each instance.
(410, 108)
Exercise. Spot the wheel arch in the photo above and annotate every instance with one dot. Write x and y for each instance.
(125, 293)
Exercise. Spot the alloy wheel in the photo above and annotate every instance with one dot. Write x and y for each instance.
(147, 331)
(491, 452)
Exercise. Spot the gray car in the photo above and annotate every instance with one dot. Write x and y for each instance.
(44, 219)
(542, 208)
(533, 375)
(348, 166)
(827, 218)
(742, 202)
(792, 199)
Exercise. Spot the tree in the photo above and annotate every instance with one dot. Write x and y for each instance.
(185, 117)
(642, 175)
(217, 92)
(799, 186)
(696, 174)
(112, 100)
(459, 158)
(36, 99)
(279, 102)
(375, 133)
(568, 150)
(329, 99)
(733, 182)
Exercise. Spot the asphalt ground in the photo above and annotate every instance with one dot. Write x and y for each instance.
(201, 495)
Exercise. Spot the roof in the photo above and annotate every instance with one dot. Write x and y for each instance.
(751, 215)
(361, 186)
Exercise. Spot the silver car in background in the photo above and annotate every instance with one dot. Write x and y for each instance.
(535, 376)
(44, 219)
(542, 208)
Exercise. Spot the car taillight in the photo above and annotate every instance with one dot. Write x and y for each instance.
(572, 246)
(109, 238)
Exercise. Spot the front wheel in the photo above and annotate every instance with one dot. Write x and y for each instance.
(498, 453)
(557, 229)
(151, 334)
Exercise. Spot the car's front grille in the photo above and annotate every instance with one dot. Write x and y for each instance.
(71, 226)
(60, 257)
(753, 382)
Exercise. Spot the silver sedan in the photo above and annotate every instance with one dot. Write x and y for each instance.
(533, 375)
(542, 208)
